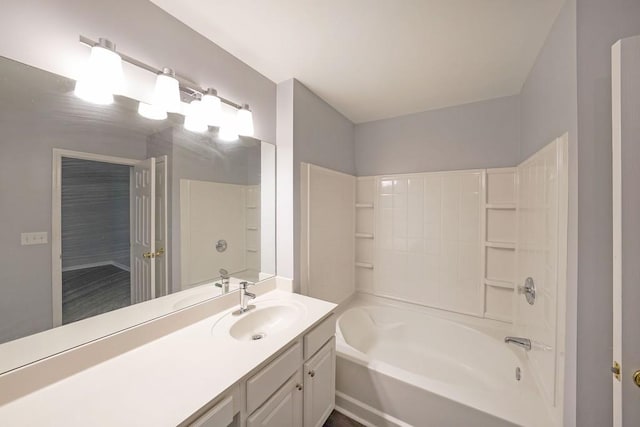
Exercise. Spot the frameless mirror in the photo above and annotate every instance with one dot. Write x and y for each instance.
(103, 209)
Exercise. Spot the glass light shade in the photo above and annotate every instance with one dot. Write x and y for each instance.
(166, 94)
(245, 121)
(228, 128)
(152, 112)
(101, 77)
(212, 109)
(195, 120)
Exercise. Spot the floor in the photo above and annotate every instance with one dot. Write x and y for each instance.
(336, 419)
(93, 291)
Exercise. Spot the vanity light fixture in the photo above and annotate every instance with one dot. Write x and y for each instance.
(151, 111)
(212, 107)
(245, 121)
(195, 119)
(102, 75)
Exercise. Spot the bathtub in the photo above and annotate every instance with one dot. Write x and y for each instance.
(401, 365)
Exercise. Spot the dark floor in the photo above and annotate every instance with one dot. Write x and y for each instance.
(336, 419)
(93, 291)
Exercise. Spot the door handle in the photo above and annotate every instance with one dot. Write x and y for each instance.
(149, 255)
(636, 377)
(160, 252)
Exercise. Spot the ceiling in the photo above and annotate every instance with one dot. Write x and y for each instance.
(374, 59)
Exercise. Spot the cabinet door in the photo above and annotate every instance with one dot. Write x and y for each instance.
(320, 385)
(283, 409)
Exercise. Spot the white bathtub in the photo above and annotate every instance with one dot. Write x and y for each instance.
(400, 365)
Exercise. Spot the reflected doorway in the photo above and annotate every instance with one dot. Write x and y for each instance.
(109, 233)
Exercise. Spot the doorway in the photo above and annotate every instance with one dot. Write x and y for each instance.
(109, 226)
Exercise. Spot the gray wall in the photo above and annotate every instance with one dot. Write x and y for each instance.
(548, 109)
(95, 213)
(599, 25)
(478, 135)
(320, 135)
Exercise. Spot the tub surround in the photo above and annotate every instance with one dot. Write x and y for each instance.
(165, 381)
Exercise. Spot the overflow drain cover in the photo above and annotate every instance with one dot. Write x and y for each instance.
(258, 336)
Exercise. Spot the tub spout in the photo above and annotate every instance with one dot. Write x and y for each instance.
(519, 341)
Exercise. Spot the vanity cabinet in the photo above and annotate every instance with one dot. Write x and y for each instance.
(320, 385)
(296, 388)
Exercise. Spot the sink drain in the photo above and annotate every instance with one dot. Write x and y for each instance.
(258, 336)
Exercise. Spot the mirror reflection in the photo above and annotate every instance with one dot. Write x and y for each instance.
(103, 209)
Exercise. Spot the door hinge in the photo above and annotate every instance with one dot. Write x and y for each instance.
(615, 370)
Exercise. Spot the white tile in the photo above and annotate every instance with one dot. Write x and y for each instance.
(386, 186)
(400, 185)
(415, 245)
(386, 201)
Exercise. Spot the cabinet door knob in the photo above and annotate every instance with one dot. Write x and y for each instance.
(636, 378)
(299, 387)
(312, 374)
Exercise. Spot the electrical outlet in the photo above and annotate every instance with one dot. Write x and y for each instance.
(37, 238)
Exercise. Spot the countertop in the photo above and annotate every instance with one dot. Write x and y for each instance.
(163, 382)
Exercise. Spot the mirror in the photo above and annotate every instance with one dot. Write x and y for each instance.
(103, 209)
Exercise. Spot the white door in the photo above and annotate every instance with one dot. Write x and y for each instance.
(162, 256)
(143, 231)
(320, 385)
(626, 231)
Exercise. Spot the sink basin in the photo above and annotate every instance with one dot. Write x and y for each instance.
(267, 319)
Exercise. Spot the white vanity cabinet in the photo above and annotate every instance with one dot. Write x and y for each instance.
(304, 376)
(320, 385)
(296, 388)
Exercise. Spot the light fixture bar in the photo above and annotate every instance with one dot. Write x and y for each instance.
(186, 85)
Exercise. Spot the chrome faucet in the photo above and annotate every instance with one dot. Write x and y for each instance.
(519, 341)
(224, 281)
(245, 297)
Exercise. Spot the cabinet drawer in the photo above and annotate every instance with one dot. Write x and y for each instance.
(319, 335)
(269, 379)
(221, 415)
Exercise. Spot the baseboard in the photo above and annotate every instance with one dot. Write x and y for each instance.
(365, 414)
(97, 264)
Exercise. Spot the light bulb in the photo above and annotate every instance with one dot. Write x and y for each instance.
(152, 112)
(195, 121)
(102, 75)
(166, 94)
(245, 121)
(212, 107)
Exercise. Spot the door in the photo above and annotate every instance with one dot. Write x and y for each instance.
(626, 232)
(143, 244)
(320, 385)
(284, 409)
(162, 256)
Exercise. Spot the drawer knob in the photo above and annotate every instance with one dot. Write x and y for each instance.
(312, 374)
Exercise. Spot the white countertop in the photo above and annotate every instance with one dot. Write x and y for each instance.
(161, 383)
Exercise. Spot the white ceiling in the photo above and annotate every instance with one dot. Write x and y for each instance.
(373, 59)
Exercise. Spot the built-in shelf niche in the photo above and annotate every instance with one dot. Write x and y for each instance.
(365, 226)
(500, 243)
